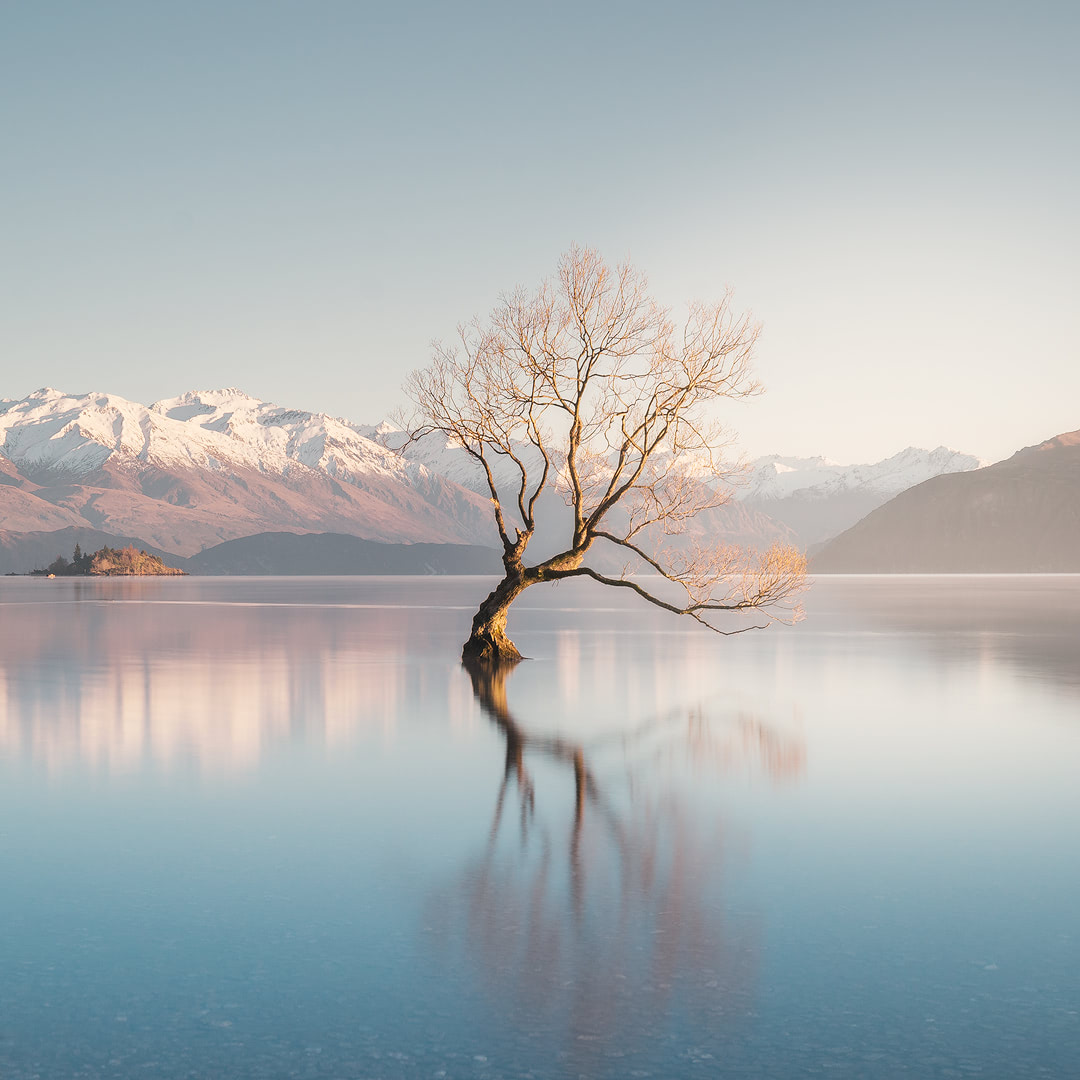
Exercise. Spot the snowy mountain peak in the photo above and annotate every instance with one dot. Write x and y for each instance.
(787, 464)
(211, 465)
(209, 399)
(53, 432)
(769, 478)
(777, 477)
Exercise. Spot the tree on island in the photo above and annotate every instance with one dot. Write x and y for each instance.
(586, 386)
(59, 567)
(81, 563)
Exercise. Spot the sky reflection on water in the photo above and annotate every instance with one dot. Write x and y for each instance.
(270, 828)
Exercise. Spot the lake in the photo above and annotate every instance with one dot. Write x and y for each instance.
(270, 828)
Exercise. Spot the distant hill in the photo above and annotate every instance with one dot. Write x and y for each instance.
(338, 554)
(1021, 515)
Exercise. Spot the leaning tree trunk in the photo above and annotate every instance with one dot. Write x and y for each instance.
(488, 643)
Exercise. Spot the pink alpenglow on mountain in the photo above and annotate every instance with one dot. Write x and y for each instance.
(189, 472)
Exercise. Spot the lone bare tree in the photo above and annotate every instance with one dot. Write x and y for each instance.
(588, 387)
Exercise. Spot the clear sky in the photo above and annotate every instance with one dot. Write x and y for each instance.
(296, 198)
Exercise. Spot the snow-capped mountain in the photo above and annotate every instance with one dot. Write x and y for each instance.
(188, 472)
(776, 477)
(818, 499)
(50, 432)
(442, 456)
(771, 477)
(800, 500)
(1020, 515)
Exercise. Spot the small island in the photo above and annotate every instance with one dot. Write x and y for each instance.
(109, 562)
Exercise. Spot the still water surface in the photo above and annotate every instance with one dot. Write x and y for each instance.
(268, 828)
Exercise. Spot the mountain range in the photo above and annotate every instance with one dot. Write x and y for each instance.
(816, 498)
(1020, 515)
(187, 473)
(802, 500)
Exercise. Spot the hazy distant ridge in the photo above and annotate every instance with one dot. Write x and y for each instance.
(1021, 515)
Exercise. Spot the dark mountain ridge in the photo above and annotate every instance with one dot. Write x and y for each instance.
(337, 554)
(278, 553)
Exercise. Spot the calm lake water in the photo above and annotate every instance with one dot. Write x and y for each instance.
(267, 828)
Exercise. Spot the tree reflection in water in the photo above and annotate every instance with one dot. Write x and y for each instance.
(596, 923)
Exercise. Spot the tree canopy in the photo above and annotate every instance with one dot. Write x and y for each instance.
(587, 386)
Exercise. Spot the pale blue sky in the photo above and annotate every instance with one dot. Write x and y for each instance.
(295, 198)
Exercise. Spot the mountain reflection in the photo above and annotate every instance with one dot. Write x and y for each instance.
(596, 915)
(124, 684)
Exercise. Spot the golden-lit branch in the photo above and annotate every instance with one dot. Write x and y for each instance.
(587, 388)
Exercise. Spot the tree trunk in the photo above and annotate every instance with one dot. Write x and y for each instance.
(488, 643)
